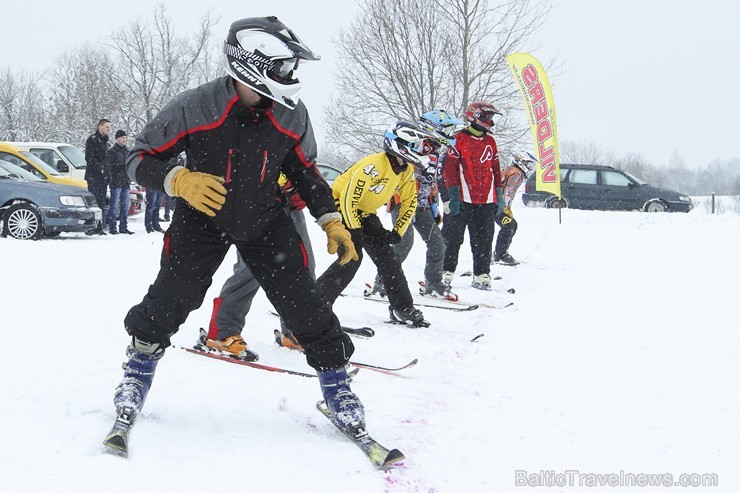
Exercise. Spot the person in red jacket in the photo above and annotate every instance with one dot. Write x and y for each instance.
(472, 174)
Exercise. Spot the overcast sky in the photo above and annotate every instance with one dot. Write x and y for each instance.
(648, 76)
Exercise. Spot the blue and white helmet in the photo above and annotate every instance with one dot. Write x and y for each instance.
(443, 124)
(524, 160)
(411, 142)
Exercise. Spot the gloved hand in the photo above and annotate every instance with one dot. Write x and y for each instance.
(455, 200)
(446, 207)
(392, 237)
(499, 200)
(204, 192)
(338, 237)
(507, 212)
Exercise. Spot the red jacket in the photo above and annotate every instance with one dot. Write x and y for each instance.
(473, 166)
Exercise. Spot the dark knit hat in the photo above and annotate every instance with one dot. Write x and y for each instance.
(121, 133)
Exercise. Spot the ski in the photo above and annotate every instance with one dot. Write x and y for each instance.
(382, 369)
(469, 273)
(116, 442)
(380, 456)
(365, 332)
(458, 307)
(233, 359)
(385, 369)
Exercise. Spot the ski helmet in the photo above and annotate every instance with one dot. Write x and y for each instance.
(480, 116)
(524, 160)
(410, 142)
(443, 124)
(263, 54)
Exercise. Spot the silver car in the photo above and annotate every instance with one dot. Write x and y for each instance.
(31, 207)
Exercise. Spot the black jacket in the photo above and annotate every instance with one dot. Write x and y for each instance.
(116, 160)
(248, 147)
(95, 151)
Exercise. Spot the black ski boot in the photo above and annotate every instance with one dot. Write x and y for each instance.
(505, 259)
(437, 289)
(408, 316)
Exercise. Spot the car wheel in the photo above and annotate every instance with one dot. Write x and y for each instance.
(655, 205)
(23, 222)
(556, 203)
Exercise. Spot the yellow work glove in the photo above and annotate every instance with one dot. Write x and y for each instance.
(338, 236)
(203, 191)
(507, 212)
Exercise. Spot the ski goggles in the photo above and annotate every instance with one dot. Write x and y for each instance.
(283, 69)
(425, 147)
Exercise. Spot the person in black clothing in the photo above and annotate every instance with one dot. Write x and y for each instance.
(240, 132)
(120, 192)
(96, 172)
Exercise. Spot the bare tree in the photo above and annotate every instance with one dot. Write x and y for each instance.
(82, 92)
(400, 58)
(154, 64)
(22, 106)
(580, 152)
(635, 163)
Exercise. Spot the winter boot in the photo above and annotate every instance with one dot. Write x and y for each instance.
(505, 259)
(287, 340)
(345, 406)
(482, 281)
(408, 315)
(437, 289)
(233, 346)
(447, 277)
(138, 374)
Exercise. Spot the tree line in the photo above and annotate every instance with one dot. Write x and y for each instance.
(721, 177)
(396, 60)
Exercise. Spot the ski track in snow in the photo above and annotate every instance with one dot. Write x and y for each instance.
(620, 353)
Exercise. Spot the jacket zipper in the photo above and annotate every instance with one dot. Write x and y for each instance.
(228, 167)
(264, 166)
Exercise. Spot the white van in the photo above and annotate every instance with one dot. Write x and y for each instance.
(70, 161)
(65, 158)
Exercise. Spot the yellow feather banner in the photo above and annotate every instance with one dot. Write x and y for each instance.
(537, 94)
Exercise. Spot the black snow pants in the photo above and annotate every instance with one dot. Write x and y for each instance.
(479, 219)
(194, 247)
(369, 237)
(507, 230)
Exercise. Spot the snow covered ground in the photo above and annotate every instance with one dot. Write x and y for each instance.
(620, 354)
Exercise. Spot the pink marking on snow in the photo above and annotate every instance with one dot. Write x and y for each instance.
(283, 404)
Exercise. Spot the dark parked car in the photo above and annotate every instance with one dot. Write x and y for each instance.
(329, 173)
(605, 188)
(30, 206)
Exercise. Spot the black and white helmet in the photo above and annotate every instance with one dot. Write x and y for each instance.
(524, 160)
(263, 54)
(411, 143)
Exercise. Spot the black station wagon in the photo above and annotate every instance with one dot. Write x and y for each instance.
(606, 188)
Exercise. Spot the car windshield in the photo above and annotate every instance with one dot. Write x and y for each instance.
(329, 173)
(39, 163)
(12, 171)
(636, 179)
(75, 156)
